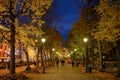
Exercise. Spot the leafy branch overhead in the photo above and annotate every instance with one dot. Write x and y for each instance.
(30, 10)
(109, 25)
(23, 19)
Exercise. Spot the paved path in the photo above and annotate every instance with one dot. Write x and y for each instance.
(68, 73)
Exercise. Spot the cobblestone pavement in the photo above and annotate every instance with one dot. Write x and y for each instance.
(67, 72)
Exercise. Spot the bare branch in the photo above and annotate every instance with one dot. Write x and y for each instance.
(25, 7)
(3, 35)
(3, 3)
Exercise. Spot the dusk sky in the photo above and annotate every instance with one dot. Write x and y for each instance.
(69, 11)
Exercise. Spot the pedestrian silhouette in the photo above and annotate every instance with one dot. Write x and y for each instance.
(73, 63)
(62, 62)
(57, 61)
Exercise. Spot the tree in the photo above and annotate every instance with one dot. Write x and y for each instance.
(27, 35)
(54, 38)
(109, 21)
(109, 27)
(84, 28)
(12, 10)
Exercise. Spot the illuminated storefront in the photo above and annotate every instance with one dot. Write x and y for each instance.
(4, 57)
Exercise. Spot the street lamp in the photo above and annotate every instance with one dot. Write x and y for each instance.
(52, 57)
(85, 39)
(53, 49)
(43, 40)
(42, 55)
(75, 49)
(86, 54)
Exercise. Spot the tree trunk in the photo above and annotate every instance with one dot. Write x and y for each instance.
(12, 50)
(86, 56)
(37, 57)
(51, 57)
(27, 57)
(118, 63)
(118, 58)
(42, 60)
(84, 59)
(100, 56)
(92, 51)
(12, 42)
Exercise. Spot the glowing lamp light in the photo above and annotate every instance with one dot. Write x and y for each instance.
(53, 49)
(85, 39)
(43, 40)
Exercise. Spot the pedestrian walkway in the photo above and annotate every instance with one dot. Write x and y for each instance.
(18, 69)
(67, 72)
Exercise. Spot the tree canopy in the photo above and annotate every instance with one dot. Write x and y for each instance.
(15, 13)
(109, 25)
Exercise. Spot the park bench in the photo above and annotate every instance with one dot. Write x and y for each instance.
(111, 70)
(110, 67)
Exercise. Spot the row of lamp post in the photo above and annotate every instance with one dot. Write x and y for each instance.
(52, 56)
(53, 49)
(42, 53)
(43, 40)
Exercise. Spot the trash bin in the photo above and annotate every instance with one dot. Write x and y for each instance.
(88, 69)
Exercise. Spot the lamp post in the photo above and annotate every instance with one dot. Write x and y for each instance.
(20, 53)
(86, 53)
(75, 49)
(53, 56)
(53, 50)
(42, 54)
(37, 53)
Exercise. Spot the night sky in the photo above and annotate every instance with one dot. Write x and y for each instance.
(69, 11)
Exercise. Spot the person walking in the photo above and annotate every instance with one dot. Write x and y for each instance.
(57, 61)
(62, 62)
(73, 63)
